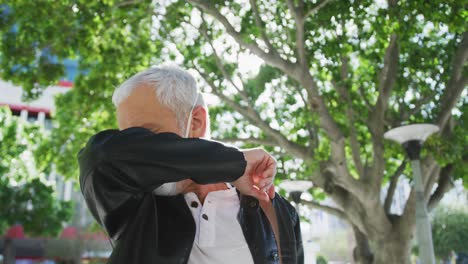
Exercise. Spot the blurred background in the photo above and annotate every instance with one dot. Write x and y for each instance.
(315, 82)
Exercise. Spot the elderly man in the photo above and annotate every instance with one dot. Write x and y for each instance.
(164, 195)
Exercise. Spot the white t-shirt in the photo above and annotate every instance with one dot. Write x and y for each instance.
(219, 237)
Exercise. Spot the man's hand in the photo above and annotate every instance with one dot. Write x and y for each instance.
(259, 174)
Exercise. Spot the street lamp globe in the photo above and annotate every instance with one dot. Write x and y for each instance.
(411, 137)
(419, 132)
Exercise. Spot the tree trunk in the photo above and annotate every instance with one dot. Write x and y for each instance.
(392, 249)
(362, 253)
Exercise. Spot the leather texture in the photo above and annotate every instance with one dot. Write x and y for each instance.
(120, 169)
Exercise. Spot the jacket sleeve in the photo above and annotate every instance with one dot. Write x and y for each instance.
(119, 168)
(143, 160)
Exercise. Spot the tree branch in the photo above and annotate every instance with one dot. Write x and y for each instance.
(387, 76)
(256, 141)
(313, 135)
(344, 93)
(301, 74)
(127, 3)
(337, 139)
(408, 217)
(261, 27)
(364, 98)
(269, 57)
(362, 252)
(250, 111)
(428, 167)
(317, 105)
(445, 182)
(456, 84)
(251, 115)
(297, 13)
(430, 179)
(405, 115)
(366, 216)
(328, 209)
(338, 174)
(292, 7)
(392, 187)
(444, 185)
(220, 64)
(317, 8)
(377, 116)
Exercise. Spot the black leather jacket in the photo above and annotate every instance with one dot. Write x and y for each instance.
(120, 169)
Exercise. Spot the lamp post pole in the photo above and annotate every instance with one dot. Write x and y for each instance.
(423, 225)
(412, 137)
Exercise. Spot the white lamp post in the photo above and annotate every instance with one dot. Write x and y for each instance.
(411, 137)
(295, 189)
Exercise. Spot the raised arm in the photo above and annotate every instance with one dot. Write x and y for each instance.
(117, 168)
(141, 160)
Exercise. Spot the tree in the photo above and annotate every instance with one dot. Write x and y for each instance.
(335, 76)
(26, 197)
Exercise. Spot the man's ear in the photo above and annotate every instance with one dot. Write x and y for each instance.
(198, 127)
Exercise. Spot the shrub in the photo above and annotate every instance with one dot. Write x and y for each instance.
(450, 232)
(321, 260)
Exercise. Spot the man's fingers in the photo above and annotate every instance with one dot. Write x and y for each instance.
(263, 183)
(261, 171)
(267, 175)
(271, 192)
(269, 169)
(266, 164)
(259, 194)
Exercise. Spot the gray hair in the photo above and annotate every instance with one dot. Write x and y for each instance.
(173, 86)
